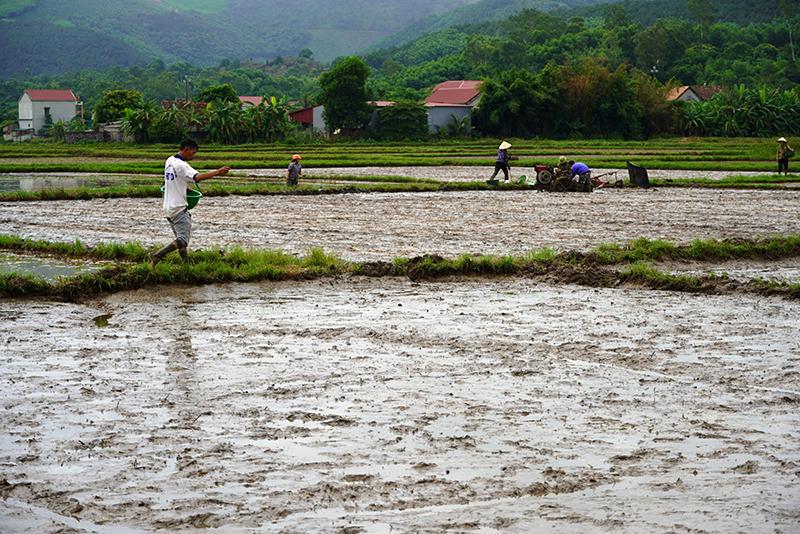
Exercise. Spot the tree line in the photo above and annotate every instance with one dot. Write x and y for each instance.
(544, 75)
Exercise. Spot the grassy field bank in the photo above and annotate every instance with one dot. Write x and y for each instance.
(734, 154)
(239, 265)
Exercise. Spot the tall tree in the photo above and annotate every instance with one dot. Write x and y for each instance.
(703, 13)
(112, 104)
(344, 95)
(789, 9)
(218, 93)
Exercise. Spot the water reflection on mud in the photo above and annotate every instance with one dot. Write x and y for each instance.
(48, 268)
(379, 404)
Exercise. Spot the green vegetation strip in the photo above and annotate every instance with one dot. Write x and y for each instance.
(400, 185)
(713, 154)
(238, 265)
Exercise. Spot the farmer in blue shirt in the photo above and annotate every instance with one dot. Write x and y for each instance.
(501, 164)
(294, 171)
(581, 173)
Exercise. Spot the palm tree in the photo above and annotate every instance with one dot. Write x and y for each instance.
(224, 121)
(139, 121)
(178, 117)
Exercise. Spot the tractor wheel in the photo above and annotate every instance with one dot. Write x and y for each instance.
(544, 177)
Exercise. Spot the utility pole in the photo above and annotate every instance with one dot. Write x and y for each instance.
(186, 86)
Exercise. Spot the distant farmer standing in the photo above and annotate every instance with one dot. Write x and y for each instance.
(178, 174)
(294, 171)
(784, 153)
(501, 164)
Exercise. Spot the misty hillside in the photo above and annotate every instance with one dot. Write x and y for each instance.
(51, 36)
(641, 11)
(479, 12)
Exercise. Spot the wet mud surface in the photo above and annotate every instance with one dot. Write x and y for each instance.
(364, 405)
(380, 226)
(785, 270)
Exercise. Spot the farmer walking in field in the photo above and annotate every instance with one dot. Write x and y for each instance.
(178, 174)
(501, 164)
(783, 155)
(294, 171)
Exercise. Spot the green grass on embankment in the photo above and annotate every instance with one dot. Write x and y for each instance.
(239, 265)
(717, 154)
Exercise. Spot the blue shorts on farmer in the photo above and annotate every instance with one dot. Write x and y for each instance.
(182, 227)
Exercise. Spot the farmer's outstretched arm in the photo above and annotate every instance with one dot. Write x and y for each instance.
(222, 171)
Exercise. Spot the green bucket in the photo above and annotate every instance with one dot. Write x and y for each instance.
(192, 197)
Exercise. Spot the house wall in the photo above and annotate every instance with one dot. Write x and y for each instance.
(319, 119)
(689, 96)
(25, 113)
(31, 113)
(440, 116)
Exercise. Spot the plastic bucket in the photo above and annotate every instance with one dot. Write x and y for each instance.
(192, 197)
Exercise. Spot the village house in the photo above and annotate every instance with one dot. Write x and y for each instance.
(39, 107)
(310, 117)
(452, 99)
(692, 93)
(250, 101)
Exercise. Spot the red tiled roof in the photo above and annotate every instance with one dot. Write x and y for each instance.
(703, 92)
(255, 100)
(461, 92)
(706, 91)
(51, 95)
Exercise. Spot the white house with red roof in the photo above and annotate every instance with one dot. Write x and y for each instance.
(453, 98)
(35, 105)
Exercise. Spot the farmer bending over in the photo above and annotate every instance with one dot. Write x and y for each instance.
(582, 174)
(178, 174)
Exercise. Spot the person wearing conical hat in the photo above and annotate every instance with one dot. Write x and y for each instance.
(783, 155)
(564, 165)
(294, 171)
(501, 164)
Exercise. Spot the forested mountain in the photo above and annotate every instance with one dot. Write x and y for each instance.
(721, 53)
(479, 12)
(641, 11)
(50, 36)
(648, 11)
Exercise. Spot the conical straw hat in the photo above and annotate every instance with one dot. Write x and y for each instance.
(504, 145)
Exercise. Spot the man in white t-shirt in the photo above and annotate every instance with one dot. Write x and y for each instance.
(178, 174)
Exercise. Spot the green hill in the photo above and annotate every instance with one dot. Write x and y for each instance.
(51, 36)
(479, 12)
(642, 11)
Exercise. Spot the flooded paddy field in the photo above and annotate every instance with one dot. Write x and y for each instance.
(47, 268)
(378, 405)
(380, 226)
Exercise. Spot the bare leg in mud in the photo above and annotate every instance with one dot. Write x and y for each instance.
(175, 245)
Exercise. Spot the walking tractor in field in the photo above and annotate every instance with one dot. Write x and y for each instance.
(559, 179)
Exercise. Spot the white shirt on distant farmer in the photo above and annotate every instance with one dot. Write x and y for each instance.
(178, 174)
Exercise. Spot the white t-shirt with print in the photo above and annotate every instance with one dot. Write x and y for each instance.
(178, 174)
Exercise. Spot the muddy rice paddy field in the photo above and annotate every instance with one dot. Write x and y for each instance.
(380, 226)
(387, 405)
